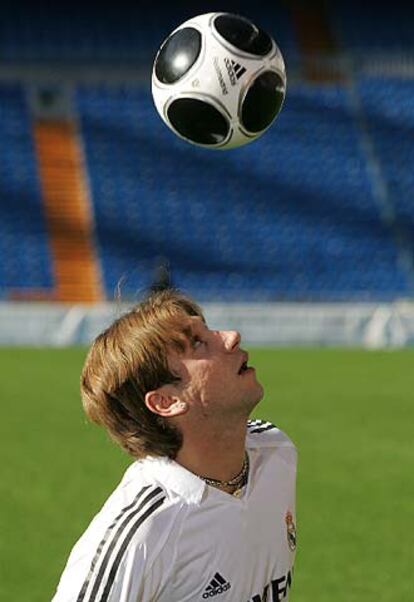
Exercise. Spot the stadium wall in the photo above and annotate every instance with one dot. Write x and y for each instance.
(368, 325)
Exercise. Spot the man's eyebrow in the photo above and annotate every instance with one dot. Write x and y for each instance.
(198, 319)
(190, 330)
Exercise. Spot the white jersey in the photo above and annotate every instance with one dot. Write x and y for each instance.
(164, 535)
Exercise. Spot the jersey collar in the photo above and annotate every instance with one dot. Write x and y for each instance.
(175, 477)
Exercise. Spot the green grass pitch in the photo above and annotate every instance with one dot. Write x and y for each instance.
(350, 412)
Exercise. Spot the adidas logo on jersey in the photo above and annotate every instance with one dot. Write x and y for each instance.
(235, 70)
(218, 585)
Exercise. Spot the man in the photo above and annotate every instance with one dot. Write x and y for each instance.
(207, 510)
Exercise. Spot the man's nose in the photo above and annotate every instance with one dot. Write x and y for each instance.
(231, 339)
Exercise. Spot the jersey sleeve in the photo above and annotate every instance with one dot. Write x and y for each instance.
(133, 580)
(124, 582)
(123, 559)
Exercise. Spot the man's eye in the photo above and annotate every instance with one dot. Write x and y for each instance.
(197, 342)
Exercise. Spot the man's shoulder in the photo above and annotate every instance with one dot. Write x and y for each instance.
(139, 504)
(140, 488)
(126, 537)
(261, 433)
(139, 510)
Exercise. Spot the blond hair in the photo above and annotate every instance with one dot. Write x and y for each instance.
(129, 359)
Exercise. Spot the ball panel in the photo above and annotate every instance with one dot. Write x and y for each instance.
(243, 34)
(262, 102)
(198, 121)
(177, 55)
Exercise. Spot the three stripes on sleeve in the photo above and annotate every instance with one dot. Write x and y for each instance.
(111, 549)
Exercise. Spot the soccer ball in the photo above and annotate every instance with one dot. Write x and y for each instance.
(218, 81)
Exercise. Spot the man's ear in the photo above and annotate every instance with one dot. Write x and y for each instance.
(164, 404)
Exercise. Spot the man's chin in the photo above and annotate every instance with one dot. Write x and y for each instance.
(260, 391)
(257, 396)
(260, 395)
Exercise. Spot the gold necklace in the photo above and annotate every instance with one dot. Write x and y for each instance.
(238, 481)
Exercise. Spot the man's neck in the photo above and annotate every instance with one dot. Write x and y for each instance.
(216, 453)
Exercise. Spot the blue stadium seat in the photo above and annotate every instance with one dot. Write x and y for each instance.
(130, 32)
(380, 28)
(292, 217)
(389, 112)
(25, 259)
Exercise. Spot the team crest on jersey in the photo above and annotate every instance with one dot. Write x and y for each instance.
(290, 531)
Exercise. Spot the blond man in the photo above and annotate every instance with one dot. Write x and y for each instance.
(207, 509)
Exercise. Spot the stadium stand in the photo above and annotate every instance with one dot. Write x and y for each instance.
(243, 224)
(108, 33)
(320, 209)
(25, 264)
(391, 127)
(382, 29)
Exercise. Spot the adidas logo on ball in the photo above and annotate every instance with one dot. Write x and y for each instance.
(235, 70)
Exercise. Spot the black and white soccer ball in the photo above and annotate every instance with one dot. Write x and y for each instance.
(219, 81)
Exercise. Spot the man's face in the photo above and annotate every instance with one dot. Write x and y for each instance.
(215, 377)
